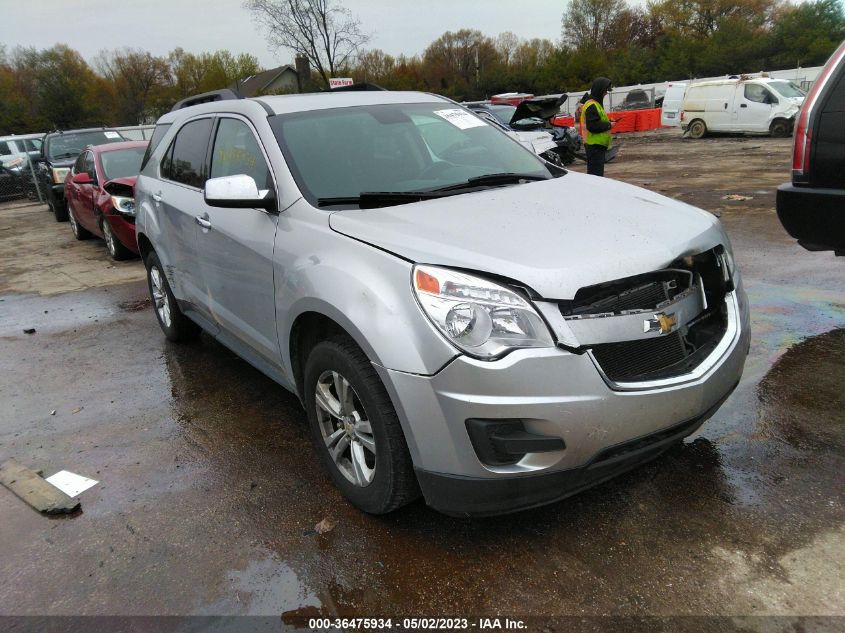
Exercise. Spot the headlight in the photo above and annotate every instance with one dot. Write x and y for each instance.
(59, 174)
(124, 205)
(479, 317)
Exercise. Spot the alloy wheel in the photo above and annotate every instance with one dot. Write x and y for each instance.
(161, 300)
(345, 428)
(74, 226)
(109, 236)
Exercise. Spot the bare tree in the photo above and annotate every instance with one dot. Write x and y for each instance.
(593, 23)
(321, 30)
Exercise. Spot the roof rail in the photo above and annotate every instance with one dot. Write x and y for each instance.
(362, 87)
(206, 97)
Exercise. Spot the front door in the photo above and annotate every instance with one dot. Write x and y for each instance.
(84, 203)
(754, 107)
(235, 246)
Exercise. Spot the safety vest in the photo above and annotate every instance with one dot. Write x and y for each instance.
(595, 138)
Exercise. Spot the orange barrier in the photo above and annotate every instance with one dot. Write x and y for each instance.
(628, 120)
(563, 120)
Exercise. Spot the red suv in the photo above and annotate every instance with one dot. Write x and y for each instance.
(100, 191)
(812, 207)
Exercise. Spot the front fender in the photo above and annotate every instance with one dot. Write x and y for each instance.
(365, 290)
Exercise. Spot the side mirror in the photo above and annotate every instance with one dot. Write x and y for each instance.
(82, 178)
(238, 192)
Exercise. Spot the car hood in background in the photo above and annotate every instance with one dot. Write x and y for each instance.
(539, 107)
(538, 234)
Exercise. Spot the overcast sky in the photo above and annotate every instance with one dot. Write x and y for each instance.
(398, 26)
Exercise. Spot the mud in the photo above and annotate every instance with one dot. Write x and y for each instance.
(210, 489)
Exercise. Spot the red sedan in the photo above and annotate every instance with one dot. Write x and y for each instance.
(100, 190)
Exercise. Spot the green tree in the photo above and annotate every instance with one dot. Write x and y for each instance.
(806, 34)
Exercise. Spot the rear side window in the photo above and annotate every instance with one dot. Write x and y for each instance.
(5, 150)
(186, 160)
(158, 134)
(237, 152)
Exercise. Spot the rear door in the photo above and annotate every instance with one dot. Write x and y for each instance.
(178, 199)
(235, 246)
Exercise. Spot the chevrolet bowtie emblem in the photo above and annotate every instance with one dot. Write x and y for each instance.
(661, 322)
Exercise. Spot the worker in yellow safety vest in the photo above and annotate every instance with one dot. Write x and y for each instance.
(597, 124)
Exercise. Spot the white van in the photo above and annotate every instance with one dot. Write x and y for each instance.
(670, 115)
(750, 106)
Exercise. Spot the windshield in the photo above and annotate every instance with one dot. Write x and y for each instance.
(122, 163)
(70, 145)
(503, 113)
(787, 89)
(343, 152)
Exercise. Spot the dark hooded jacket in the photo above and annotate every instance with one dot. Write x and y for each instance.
(591, 115)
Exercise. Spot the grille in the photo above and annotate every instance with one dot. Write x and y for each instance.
(661, 356)
(638, 360)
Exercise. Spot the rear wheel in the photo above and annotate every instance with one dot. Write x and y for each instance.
(697, 129)
(114, 246)
(79, 232)
(355, 429)
(175, 325)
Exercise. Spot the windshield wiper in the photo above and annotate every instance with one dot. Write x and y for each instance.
(66, 154)
(505, 178)
(375, 199)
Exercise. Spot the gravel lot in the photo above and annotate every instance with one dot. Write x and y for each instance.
(209, 489)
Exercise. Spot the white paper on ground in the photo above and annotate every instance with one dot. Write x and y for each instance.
(460, 118)
(70, 483)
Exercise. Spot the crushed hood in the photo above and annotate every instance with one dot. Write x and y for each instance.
(554, 236)
(121, 186)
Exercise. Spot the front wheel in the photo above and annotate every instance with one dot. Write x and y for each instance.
(780, 128)
(355, 428)
(79, 231)
(175, 325)
(114, 246)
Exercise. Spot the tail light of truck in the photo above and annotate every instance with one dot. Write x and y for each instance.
(802, 144)
(682, 115)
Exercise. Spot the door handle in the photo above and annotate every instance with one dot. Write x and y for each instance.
(157, 197)
(743, 105)
(726, 106)
(202, 222)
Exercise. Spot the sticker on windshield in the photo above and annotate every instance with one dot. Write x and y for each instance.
(112, 135)
(461, 119)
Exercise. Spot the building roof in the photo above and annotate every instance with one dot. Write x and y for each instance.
(253, 86)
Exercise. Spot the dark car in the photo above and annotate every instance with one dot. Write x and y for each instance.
(812, 207)
(100, 190)
(58, 153)
(535, 114)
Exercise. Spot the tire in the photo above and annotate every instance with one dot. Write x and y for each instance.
(59, 211)
(114, 246)
(175, 325)
(697, 129)
(79, 231)
(391, 482)
(780, 128)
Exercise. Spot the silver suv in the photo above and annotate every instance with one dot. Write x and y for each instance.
(458, 318)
